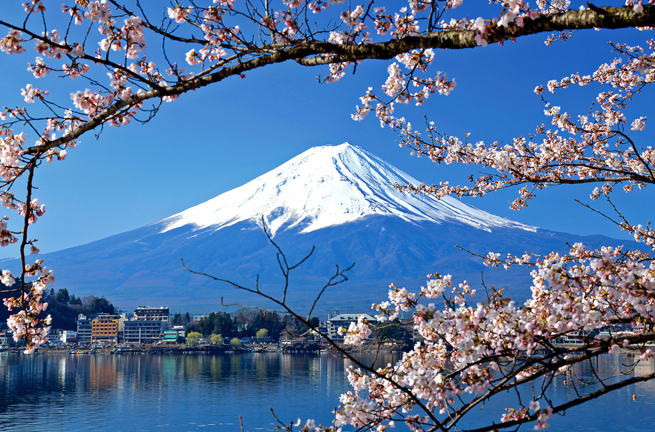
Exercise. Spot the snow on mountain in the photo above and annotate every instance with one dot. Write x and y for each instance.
(327, 186)
(342, 200)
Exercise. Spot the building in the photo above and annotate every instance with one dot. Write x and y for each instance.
(54, 335)
(145, 313)
(69, 336)
(144, 331)
(6, 338)
(105, 328)
(6, 335)
(170, 336)
(337, 320)
(147, 325)
(181, 330)
(315, 336)
(83, 329)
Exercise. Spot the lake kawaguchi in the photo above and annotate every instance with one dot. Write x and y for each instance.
(209, 392)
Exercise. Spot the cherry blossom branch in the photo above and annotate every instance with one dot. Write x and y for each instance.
(156, 29)
(335, 280)
(316, 53)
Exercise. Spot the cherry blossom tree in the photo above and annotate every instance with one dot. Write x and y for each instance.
(101, 53)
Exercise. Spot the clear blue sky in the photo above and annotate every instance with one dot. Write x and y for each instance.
(215, 139)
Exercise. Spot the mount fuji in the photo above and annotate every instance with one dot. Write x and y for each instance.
(340, 199)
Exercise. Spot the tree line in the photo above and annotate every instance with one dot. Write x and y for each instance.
(258, 324)
(244, 323)
(64, 308)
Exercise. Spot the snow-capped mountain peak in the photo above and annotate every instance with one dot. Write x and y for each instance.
(327, 186)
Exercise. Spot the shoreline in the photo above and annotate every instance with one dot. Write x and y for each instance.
(208, 349)
(299, 348)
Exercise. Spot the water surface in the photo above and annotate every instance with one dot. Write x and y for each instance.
(210, 392)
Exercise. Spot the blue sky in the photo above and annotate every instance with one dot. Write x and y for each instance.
(215, 139)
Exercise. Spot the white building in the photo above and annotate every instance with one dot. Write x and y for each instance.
(69, 336)
(180, 329)
(54, 335)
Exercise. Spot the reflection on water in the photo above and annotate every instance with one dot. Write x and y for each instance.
(149, 392)
(207, 392)
(615, 411)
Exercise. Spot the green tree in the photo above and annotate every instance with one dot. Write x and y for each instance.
(93, 305)
(193, 338)
(63, 296)
(63, 315)
(314, 322)
(262, 333)
(394, 331)
(181, 319)
(215, 323)
(221, 323)
(216, 339)
(293, 326)
(269, 321)
(235, 342)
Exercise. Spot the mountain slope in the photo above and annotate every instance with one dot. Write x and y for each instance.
(337, 198)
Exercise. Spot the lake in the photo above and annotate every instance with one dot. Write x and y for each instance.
(209, 392)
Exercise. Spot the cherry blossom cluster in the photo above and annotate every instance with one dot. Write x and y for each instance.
(11, 44)
(36, 210)
(534, 406)
(357, 333)
(179, 13)
(131, 34)
(29, 93)
(473, 348)
(638, 5)
(405, 24)
(514, 12)
(593, 147)
(26, 323)
(11, 150)
(6, 236)
(642, 234)
(397, 86)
